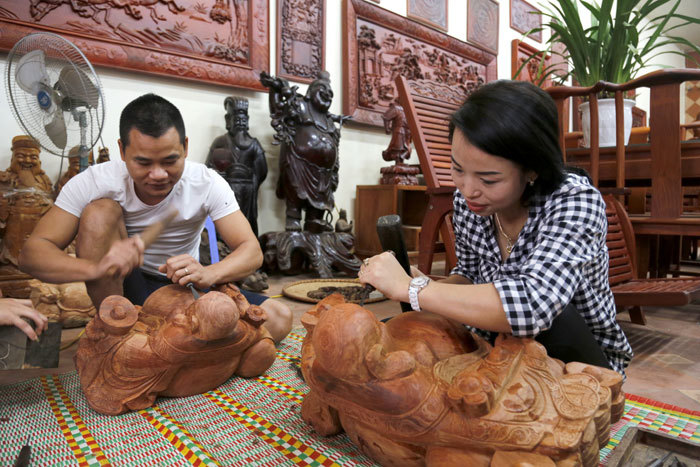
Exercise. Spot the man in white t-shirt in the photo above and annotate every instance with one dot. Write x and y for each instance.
(109, 204)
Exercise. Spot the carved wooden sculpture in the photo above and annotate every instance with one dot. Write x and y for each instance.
(25, 167)
(309, 149)
(74, 167)
(420, 390)
(67, 303)
(399, 148)
(103, 155)
(174, 346)
(239, 158)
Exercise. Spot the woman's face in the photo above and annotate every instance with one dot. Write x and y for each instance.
(488, 183)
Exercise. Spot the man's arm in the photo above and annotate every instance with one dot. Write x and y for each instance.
(43, 254)
(245, 258)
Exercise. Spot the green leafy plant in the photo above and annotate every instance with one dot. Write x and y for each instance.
(616, 45)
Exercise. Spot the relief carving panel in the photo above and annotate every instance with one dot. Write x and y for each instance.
(524, 17)
(380, 45)
(520, 51)
(431, 12)
(482, 23)
(300, 38)
(221, 41)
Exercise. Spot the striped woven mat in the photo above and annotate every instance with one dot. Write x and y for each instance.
(243, 422)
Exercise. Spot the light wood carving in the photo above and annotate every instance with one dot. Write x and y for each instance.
(68, 303)
(174, 346)
(420, 390)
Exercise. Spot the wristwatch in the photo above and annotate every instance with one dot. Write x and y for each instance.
(416, 285)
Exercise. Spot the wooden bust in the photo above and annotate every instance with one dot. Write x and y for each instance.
(309, 142)
(25, 167)
(421, 390)
(173, 346)
(73, 168)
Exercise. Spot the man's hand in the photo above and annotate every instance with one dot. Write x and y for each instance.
(11, 312)
(183, 269)
(123, 257)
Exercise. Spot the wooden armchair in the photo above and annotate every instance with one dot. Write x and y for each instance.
(630, 292)
(429, 118)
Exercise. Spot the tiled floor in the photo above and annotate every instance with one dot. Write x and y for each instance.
(666, 366)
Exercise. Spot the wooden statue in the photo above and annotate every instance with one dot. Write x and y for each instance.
(399, 148)
(240, 159)
(422, 390)
(25, 167)
(309, 150)
(103, 155)
(73, 168)
(67, 303)
(173, 346)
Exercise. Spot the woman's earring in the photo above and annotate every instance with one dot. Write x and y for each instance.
(531, 183)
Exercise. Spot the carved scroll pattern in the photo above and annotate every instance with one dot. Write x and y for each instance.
(520, 52)
(301, 32)
(431, 12)
(482, 23)
(523, 17)
(221, 41)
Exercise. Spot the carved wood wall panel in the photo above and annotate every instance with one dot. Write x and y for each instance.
(520, 51)
(482, 24)
(220, 41)
(301, 26)
(380, 45)
(430, 12)
(523, 18)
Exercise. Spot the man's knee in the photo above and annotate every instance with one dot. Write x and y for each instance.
(101, 223)
(279, 319)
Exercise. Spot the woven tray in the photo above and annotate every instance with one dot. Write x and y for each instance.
(298, 290)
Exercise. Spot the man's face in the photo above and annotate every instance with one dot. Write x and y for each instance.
(239, 120)
(155, 164)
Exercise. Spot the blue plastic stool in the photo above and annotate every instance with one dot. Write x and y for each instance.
(213, 246)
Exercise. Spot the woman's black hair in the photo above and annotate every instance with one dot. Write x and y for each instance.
(518, 121)
(151, 115)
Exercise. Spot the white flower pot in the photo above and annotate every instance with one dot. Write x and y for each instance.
(606, 121)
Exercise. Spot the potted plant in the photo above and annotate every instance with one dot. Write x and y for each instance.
(622, 37)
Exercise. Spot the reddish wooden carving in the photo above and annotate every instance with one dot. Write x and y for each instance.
(301, 33)
(399, 148)
(482, 24)
(524, 17)
(220, 41)
(380, 45)
(174, 346)
(519, 53)
(422, 390)
(430, 12)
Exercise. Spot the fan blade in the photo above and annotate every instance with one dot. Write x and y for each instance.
(76, 86)
(31, 71)
(56, 129)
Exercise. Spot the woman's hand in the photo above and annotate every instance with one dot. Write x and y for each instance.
(183, 269)
(386, 275)
(11, 312)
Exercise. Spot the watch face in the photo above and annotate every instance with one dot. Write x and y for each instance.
(419, 281)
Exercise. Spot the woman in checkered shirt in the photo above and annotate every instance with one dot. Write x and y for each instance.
(530, 235)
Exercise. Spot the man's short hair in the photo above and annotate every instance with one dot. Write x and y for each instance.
(151, 115)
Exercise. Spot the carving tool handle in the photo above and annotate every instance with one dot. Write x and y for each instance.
(391, 239)
(24, 455)
(151, 233)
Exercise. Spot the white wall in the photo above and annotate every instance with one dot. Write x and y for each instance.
(202, 109)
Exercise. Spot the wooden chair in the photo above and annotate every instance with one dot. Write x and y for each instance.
(429, 118)
(630, 292)
(664, 163)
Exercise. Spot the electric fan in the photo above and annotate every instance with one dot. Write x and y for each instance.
(55, 94)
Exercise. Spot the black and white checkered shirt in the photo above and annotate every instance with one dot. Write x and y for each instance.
(560, 257)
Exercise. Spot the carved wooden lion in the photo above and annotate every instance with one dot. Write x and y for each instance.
(420, 390)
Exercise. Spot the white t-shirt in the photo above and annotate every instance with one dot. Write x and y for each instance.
(199, 193)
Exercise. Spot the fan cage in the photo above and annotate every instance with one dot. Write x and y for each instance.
(59, 53)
